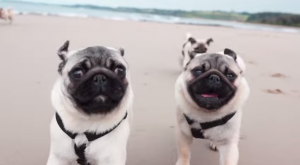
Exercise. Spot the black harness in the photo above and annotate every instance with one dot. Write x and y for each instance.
(79, 150)
(198, 132)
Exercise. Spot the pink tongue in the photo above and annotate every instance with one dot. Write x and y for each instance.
(209, 95)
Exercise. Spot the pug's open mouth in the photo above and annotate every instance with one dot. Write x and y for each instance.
(211, 95)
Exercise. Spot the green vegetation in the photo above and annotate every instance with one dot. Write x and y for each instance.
(219, 15)
(283, 19)
(275, 19)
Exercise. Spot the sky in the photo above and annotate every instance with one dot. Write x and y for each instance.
(291, 6)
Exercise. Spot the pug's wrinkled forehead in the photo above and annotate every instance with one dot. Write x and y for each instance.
(219, 61)
(101, 56)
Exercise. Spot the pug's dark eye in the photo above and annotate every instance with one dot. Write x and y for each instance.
(77, 73)
(230, 76)
(197, 72)
(120, 71)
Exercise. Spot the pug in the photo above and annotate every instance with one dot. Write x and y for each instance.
(210, 94)
(7, 14)
(93, 99)
(193, 45)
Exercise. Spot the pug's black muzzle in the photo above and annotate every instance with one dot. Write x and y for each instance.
(211, 90)
(99, 92)
(200, 49)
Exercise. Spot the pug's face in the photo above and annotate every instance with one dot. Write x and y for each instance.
(194, 45)
(199, 46)
(94, 78)
(212, 79)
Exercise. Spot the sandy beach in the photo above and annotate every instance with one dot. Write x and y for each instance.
(270, 128)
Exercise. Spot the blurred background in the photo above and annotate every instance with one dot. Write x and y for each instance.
(195, 12)
(265, 33)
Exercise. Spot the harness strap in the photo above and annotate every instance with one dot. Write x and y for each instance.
(79, 151)
(198, 132)
(91, 136)
(62, 127)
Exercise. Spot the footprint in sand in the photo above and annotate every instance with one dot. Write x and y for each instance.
(251, 62)
(242, 137)
(278, 75)
(274, 91)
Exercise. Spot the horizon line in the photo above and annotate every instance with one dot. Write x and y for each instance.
(116, 7)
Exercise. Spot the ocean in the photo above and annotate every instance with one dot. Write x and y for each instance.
(91, 11)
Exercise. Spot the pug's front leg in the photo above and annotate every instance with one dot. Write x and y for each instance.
(184, 143)
(229, 154)
(55, 160)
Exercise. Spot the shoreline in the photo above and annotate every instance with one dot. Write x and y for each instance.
(217, 23)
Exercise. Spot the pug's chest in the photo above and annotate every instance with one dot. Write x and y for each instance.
(218, 133)
(105, 150)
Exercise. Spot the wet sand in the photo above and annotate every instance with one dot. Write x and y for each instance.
(270, 129)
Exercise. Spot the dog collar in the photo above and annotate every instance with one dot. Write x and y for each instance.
(79, 150)
(198, 132)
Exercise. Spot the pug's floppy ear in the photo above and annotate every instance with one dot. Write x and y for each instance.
(192, 40)
(208, 41)
(63, 50)
(230, 53)
(122, 51)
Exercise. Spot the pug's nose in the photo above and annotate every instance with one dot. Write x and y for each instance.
(99, 79)
(214, 78)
